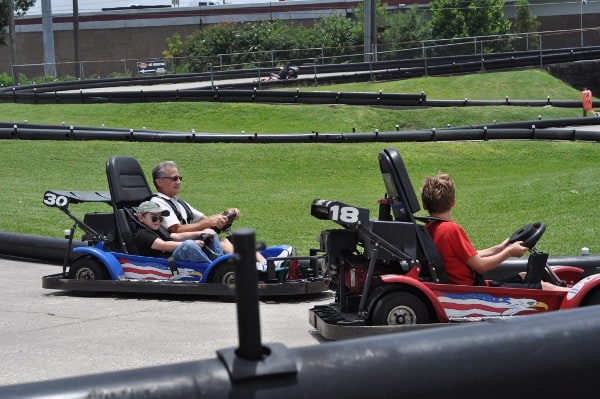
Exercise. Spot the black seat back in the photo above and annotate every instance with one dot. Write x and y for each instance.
(430, 257)
(128, 188)
(404, 205)
(127, 182)
(127, 230)
(398, 186)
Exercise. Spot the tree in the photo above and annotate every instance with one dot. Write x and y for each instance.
(21, 7)
(525, 21)
(406, 29)
(336, 34)
(466, 18)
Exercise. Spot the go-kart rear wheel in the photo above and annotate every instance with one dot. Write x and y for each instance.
(225, 274)
(88, 268)
(399, 308)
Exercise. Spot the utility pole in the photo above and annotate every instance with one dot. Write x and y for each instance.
(583, 2)
(48, 39)
(76, 39)
(370, 30)
(11, 39)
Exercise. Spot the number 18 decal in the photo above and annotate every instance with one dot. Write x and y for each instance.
(344, 214)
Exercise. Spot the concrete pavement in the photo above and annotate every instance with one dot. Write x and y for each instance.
(47, 334)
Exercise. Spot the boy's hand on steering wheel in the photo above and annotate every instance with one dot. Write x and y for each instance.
(517, 249)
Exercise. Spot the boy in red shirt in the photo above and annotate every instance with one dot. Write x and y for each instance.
(464, 264)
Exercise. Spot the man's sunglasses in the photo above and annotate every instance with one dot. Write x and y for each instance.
(174, 178)
(155, 218)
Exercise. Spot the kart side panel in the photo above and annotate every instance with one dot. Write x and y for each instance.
(421, 287)
(462, 301)
(579, 291)
(107, 258)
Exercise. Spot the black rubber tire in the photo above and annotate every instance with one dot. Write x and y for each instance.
(399, 308)
(225, 274)
(88, 268)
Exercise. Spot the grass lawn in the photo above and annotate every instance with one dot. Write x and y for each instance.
(501, 185)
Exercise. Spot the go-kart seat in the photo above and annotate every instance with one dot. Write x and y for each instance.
(404, 205)
(127, 182)
(398, 186)
(126, 231)
(429, 256)
(128, 188)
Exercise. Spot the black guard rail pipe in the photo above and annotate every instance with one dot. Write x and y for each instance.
(253, 95)
(36, 248)
(554, 355)
(529, 130)
(589, 263)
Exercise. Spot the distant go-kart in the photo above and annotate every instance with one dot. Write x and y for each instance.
(111, 263)
(388, 275)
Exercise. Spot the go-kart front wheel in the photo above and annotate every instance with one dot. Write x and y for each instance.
(88, 268)
(225, 274)
(399, 308)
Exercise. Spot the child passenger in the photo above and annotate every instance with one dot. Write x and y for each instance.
(198, 246)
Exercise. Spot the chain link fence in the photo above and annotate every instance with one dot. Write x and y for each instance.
(268, 60)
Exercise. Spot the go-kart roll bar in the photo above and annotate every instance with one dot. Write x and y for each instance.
(61, 199)
(87, 228)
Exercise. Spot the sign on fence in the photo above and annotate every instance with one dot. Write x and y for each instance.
(151, 67)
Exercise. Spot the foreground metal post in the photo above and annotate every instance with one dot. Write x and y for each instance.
(246, 292)
(251, 360)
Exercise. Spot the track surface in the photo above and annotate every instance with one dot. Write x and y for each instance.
(46, 334)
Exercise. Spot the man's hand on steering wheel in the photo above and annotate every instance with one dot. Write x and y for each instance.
(218, 221)
(232, 213)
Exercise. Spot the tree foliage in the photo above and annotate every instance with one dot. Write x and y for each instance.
(21, 7)
(406, 29)
(466, 18)
(336, 33)
(525, 21)
(334, 37)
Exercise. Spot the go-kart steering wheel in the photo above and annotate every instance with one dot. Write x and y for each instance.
(529, 234)
(230, 218)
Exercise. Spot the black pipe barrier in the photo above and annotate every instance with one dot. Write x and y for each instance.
(554, 355)
(530, 130)
(589, 263)
(36, 248)
(253, 95)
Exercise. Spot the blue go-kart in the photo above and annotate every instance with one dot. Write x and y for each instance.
(107, 259)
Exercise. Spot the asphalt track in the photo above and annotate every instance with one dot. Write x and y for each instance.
(47, 334)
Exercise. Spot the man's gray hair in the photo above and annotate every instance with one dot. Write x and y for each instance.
(159, 170)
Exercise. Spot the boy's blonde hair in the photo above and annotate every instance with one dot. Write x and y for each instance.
(438, 193)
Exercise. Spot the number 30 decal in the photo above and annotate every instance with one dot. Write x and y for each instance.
(344, 214)
(51, 199)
